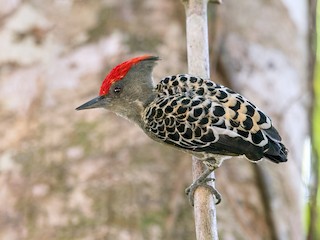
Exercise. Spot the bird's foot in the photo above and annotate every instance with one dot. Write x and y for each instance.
(202, 182)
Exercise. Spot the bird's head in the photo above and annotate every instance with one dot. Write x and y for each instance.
(127, 85)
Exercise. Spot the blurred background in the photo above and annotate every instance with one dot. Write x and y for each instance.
(92, 175)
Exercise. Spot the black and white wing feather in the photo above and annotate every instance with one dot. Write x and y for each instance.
(199, 115)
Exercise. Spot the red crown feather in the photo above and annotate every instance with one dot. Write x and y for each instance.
(119, 72)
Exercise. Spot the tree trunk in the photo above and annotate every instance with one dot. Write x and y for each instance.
(264, 56)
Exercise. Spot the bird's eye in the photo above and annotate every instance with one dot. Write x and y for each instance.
(117, 89)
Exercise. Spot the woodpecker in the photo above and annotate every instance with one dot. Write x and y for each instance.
(196, 115)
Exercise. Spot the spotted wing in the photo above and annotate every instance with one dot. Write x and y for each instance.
(199, 115)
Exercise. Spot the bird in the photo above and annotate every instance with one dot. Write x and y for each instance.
(196, 115)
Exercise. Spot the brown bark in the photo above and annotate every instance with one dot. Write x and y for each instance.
(264, 56)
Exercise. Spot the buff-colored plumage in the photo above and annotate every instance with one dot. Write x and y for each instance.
(201, 116)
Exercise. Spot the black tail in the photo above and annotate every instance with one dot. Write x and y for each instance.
(276, 152)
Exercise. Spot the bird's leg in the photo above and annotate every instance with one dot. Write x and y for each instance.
(202, 181)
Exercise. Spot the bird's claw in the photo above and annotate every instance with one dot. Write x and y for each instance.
(192, 188)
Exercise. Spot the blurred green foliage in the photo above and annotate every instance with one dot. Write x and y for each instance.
(315, 202)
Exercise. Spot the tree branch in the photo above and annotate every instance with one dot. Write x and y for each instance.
(198, 64)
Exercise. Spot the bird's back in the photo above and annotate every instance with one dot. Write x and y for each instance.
(201, 116)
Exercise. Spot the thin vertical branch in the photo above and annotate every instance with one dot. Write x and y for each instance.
(198, 64)
(205, 216)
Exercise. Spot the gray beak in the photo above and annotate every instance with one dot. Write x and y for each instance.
(97, 102)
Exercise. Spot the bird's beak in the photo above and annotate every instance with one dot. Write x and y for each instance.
(97, 102)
